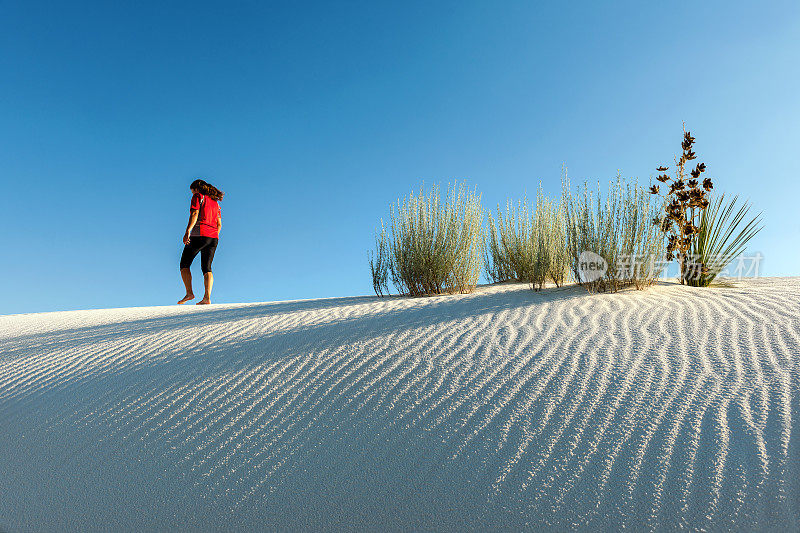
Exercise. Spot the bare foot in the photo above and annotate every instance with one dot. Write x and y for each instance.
(186, 298)
(204, 301)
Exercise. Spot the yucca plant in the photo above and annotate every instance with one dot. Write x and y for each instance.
(722, 235)
(432, 246)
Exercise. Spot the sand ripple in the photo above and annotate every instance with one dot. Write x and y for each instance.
(664, 409)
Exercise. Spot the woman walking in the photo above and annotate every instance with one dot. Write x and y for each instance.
(202, 235)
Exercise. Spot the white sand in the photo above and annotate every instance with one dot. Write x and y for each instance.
(672, 407)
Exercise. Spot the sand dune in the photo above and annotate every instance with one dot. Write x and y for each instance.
(668, 408)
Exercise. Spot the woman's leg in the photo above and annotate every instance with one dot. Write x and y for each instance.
(206, 258)
(189, 252)
(208, 283)
(186, 276)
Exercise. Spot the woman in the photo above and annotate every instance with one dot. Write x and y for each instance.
(202, 235)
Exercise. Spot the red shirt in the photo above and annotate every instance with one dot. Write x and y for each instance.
(209, 215)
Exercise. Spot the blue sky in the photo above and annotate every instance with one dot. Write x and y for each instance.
(313, 117)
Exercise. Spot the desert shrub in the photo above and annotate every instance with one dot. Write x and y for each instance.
(619, 229)
(379, 264)
(525, 245)
(549, 225)
(507, 243)
(433, 246)
(721, 236)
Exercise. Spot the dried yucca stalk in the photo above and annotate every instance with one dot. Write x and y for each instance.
(432, 247)
(685, 203)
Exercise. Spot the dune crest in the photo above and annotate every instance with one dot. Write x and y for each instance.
(665, 408)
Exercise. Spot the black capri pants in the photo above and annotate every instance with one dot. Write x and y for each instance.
(206, 246)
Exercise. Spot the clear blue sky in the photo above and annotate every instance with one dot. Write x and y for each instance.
(314, 116)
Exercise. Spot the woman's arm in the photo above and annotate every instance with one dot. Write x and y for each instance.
(219, 224)
(195, 213)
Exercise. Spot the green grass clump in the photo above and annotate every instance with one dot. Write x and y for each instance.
(527, 246)
(433, 246)
(618, 228)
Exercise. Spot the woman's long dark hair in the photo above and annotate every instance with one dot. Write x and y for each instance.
(206, 189)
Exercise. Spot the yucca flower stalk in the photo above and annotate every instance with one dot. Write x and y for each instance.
(684, 205)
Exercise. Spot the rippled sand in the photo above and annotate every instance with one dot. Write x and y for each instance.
(659, 409)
